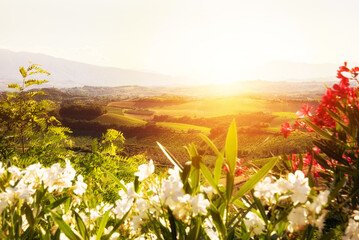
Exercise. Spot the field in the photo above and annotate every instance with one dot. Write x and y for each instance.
(115, 110)
(111, 118)
(181, 127)
(177, 122)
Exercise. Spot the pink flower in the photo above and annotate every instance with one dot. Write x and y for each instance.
(305, 111)
(286, 129)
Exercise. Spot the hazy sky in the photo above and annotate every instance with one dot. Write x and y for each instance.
(206, 39)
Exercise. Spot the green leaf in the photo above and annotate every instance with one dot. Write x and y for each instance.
(14, 86)
(102, 225)
(240, 204)
(57, 202)
(217, 220)
(321, 160)
(136, 185)
(23, 72)
(29, 215)
(184, 177)
(249, 185)
(231, 147)
(116, 226)
(64, 227)
(114, 178)
(33, 81)
(348, 170)
(318, 130)
(229, 185)
(207, 174)
(81, 226)
(194, 179)
(336, 188)
(172, 224)
(170, 157)
(195, 229)
(260, 207)
(219, 161)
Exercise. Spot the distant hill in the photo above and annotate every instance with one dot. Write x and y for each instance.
(67, 74)
(256, 88)
(281, 77)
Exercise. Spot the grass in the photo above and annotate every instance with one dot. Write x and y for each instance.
(119, 120)
(182, 127)
(114, 110)
(283, 117)
(286, 114)
(212, 107)
(122, 104)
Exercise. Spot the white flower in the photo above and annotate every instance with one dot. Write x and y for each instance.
(24, 191)
(209, 228)
(51, 175)
(266, 190)
(254, 223)
(356, 215)
(33, 174)
(142, 206)
(15, 173)
(352, 232)
(122, 207)
(3, 201)
(318, 202)
(2, 169)
(94, 214)
(114, 236)
(199, 204)
(131, 194)
(297, 218)
(208, 190)
(320, 222)
(174, 175)
(283, 185)
(135, 223)
(80, 186)
(300, 188)
(171, 191)
(67, 217)
(145, 170)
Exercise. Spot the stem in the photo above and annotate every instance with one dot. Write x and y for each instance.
(21, 114)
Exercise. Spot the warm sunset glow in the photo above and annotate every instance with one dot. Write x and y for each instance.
(204, 41)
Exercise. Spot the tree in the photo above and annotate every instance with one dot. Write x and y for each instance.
(22, 118)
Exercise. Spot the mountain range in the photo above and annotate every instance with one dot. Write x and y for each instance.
(68, 74)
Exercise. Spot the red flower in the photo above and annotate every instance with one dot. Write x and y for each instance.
(286, 129)
(239, 170)
(305, 111)
(315, 149)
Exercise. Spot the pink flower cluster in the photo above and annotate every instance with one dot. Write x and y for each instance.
(307, 160)
(329, 102)
(240, 168)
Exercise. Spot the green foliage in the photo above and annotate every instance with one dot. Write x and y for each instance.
(28, 133)
(222, 204)
(81, 111)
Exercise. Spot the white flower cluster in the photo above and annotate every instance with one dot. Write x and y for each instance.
(254, 223)
(155, 196)
(295, 188)
(24, 183)
(352, 232)
(182, 205)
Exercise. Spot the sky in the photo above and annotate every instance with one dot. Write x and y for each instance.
(207, 40)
